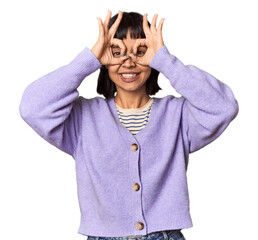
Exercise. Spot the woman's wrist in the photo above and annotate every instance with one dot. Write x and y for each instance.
(96, 52)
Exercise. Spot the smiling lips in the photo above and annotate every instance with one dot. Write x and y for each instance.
(129, 76)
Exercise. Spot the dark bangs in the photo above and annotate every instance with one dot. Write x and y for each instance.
(132, 21)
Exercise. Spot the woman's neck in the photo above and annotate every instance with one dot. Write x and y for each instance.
(131, 101)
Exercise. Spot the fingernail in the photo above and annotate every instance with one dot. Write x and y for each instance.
(123, 54)
(133, 53)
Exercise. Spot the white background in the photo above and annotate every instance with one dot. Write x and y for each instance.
(38, 182)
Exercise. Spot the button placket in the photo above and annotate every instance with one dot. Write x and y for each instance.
(136, 186)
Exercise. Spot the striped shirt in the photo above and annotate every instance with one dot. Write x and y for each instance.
(135, 119)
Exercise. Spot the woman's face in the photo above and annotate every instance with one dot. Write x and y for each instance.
(129, 76)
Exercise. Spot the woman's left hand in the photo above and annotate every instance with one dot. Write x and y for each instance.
(153, 41)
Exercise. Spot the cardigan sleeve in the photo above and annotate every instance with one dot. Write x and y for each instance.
(209, 105)
(51, 104)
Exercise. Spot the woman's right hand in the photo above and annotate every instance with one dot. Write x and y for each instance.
(102, 48)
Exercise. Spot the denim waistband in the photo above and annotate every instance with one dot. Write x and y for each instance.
(166, 234)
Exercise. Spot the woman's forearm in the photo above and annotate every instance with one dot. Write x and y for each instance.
(209, 104)
(50, 104)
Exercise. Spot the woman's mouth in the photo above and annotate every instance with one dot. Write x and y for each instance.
(129, 77)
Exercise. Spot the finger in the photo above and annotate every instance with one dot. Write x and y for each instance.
(154, 21)
(139, 42)
(117, 61)
(141, 62)
(120, 44)
(107, 20)
(145, 25)
(161, 24)
(101, 29)
(115, 25)
(120, 60)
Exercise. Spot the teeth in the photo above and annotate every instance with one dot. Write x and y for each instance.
(129, 75)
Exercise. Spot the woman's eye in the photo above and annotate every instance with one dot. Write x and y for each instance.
(116, 54)
(140, 53)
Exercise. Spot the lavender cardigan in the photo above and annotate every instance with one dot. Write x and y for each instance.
(107, 166)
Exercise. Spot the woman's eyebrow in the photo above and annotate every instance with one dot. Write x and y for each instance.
(115, 47)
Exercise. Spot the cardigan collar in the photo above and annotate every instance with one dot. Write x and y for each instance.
(141, 136)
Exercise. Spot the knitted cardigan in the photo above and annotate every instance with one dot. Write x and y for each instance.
(130, 185)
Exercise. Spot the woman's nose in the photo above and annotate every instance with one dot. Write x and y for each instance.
(128, 62)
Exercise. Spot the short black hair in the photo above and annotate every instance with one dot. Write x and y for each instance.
(130, 21)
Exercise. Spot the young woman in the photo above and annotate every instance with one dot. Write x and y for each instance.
(131, 150)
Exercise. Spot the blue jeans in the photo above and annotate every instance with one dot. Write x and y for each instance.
(161, 235)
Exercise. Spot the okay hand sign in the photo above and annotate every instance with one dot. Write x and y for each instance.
(102, 48)
(153, 41)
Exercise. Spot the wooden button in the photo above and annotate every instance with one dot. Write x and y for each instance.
(136, 186)
(134, 147)
(140, 225)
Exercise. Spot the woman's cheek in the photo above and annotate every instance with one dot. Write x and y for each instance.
(146, 70)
